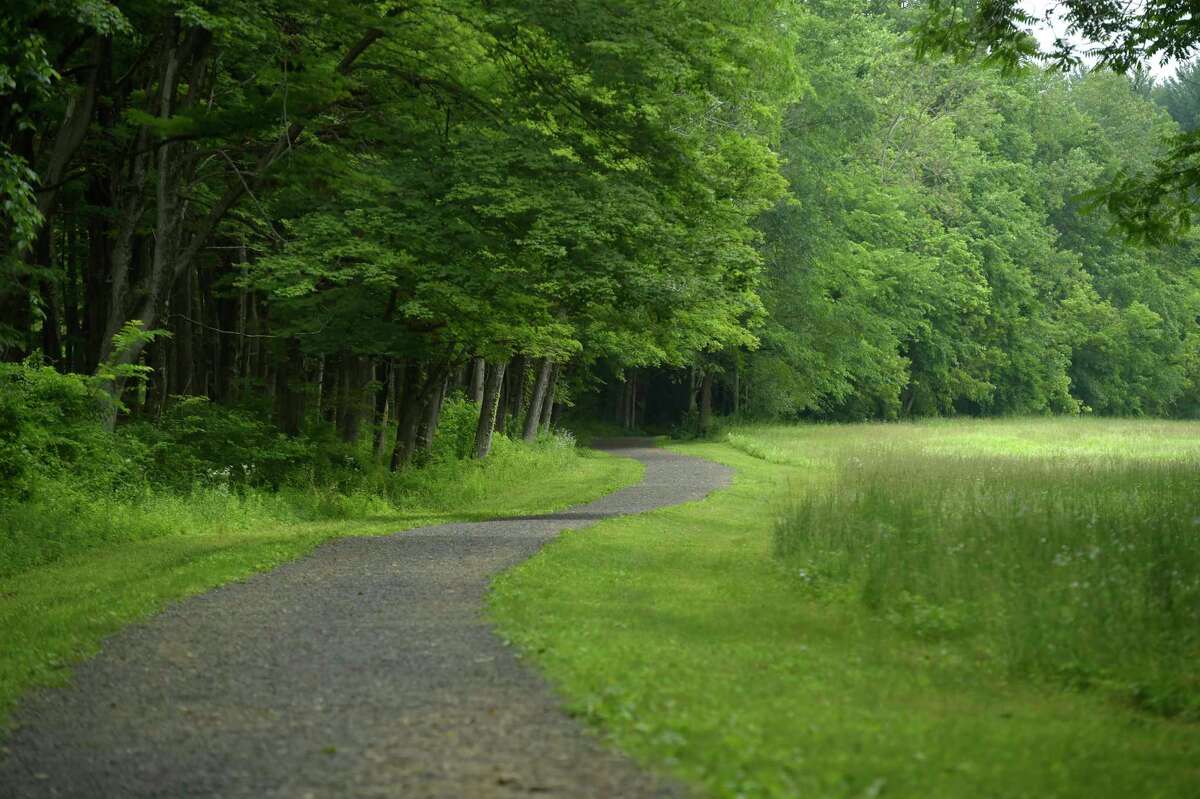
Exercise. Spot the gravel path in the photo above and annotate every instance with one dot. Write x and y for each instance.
(363, 670)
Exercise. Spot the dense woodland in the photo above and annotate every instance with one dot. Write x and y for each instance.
(305, 217)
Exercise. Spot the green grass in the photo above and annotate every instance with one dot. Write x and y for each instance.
(162, 548)
(685, 636)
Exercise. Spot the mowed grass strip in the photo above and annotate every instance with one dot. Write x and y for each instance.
(683, 636)
(53, 616)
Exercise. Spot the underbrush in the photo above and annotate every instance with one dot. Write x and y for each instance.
(67, 485)
(1083, 568)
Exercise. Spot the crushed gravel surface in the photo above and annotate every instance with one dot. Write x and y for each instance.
(366, 669)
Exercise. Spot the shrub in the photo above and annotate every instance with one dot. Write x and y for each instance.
(455, 437)
(200, 443)
(50, 426)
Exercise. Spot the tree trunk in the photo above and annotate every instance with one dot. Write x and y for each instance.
(488, 410)
(737, 390)
(478, 376)
(71, 300)
(354, 382)
(533, 416)
(631, 392)
(433, 411)
(706, 402)
(548, 402)
(51, 302)
(184, 358)
(514, 393)
(384, 404)
(415, 408)
(408, 417)
(291, 394)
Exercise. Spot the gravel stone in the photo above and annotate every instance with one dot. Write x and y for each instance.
(366, 669)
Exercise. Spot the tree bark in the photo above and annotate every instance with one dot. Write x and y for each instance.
(706, 402)
(408, 416)
(533, 416)
(418, 395)
(737, 390)
(548, 402)
(433, 411)
(291, 394)
(383, 403)
(355, 377)
(488, 410)
(478, 376)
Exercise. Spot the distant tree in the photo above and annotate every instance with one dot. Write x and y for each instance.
(1180, 95)
(1158, 204)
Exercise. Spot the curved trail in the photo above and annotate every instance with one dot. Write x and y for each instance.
(363, 670)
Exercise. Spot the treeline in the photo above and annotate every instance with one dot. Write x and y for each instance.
(339, 213)
(947, 249)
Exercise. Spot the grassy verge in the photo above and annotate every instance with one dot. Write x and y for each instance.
(54, 615)
(687, 639)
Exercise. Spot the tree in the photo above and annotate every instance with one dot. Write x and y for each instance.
(1154, 205)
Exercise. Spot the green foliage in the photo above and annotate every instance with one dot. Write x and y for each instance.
(114, 371)
(200, 443)
(1155, 205)
(455, 438)
(939, 255)
(50, 429)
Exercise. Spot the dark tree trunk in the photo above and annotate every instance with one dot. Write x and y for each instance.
(71, 301)
(533, 415)
(488, 410)
(502, 402)
(548, 402)
(228, 320)
(291, 390)
(185, 361)
(355, 377)
(419, 394)
(384, 403)
(51, 301)
(433, 411)
(629, 408)
(516, 391)
(158, 390)
(408, 417)
(706, 402)
(737, 390)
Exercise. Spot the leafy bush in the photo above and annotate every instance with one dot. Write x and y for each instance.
(50, 426)
(200, 443)
(455, 437)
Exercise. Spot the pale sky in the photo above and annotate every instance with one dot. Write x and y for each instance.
(1046, 35)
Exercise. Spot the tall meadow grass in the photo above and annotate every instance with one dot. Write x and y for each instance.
(1069, 561)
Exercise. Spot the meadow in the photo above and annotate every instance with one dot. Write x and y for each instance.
(1000, 607)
